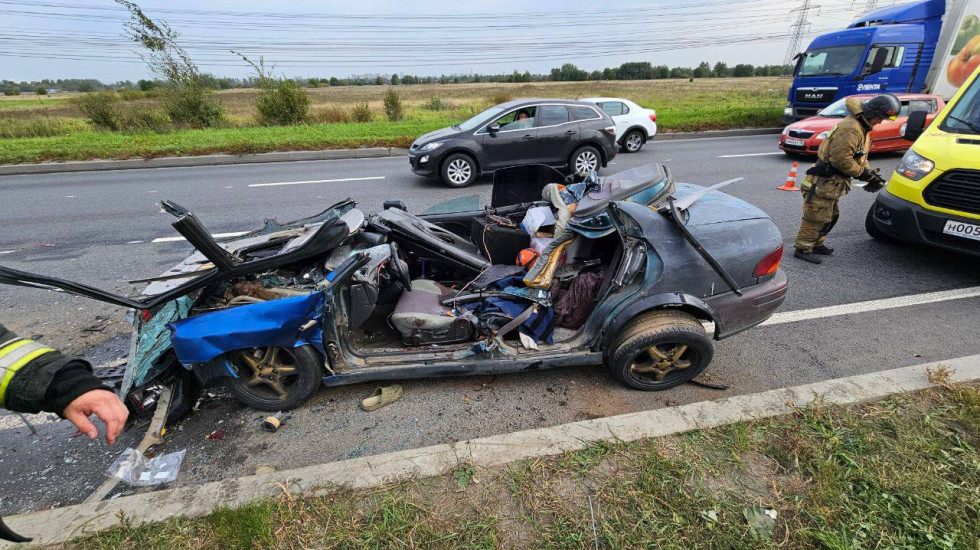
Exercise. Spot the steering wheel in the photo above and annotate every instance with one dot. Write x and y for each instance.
(399, 267)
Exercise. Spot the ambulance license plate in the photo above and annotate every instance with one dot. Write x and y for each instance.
(960, 229)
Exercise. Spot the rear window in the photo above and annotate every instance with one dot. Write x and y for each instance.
(581, 112)
(613, 108)
(550, 115)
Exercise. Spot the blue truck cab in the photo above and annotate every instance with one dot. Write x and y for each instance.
(886, 50)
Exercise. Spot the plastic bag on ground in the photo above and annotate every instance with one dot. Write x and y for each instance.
(135, 469)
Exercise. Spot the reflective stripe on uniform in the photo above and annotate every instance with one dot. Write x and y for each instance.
(13, 356)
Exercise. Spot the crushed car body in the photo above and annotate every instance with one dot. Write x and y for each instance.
(625, 270)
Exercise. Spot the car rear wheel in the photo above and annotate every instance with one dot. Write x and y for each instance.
(633, 141)
(458, 170)
(872, 228)
(585, 158)
(660, 350)
(275, 379)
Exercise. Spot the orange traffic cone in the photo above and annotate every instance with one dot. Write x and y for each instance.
(790, 184)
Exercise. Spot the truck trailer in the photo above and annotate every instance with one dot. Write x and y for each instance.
(928, 46)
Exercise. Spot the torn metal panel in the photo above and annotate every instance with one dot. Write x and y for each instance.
(276, 323)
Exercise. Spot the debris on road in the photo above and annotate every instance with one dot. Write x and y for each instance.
(135, 469)
(263, 469)
(382, 397)
(216, 435)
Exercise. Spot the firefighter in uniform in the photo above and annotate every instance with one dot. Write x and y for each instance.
(842, 156)
(35, 378)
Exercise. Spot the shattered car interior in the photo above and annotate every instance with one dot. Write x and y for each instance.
(555, 271)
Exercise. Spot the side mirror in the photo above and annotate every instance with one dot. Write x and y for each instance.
(915, 125)
(493, 128)
(878, 63)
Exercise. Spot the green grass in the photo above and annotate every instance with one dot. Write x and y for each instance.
(903, 473)
(682, 106)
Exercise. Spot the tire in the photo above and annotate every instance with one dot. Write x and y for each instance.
(296, 387)
(666, 331)
(872, 228)
(585, 157)
(633, 141)
(458, 170)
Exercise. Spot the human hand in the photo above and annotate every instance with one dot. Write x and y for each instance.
(102, 403)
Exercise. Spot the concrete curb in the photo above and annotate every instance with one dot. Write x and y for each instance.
(291, 156)
(61, 524)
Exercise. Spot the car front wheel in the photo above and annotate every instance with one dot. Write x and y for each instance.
(275, 379)
(660, 350)
(633, 141)
(585, 158)
(458, 171)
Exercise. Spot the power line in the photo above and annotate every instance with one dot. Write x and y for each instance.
(800, 28)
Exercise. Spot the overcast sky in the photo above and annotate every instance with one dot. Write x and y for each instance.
(83, 38)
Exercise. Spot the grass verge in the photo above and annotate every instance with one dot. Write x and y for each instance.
(898, 473)
(52, 130)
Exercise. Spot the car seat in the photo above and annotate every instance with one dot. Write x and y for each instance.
(421, 319)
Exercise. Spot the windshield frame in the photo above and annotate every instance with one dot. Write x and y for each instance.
(480, 118)
(967, 101)
(858, 62)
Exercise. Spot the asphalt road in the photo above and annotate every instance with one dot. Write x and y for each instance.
(99, 228)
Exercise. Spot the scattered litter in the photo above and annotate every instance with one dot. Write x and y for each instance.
(528, 342)
(762, 521)
(916, 355)
(263, 469)
(381, 397)
(134, 469)
(216, 435)
(273, 423)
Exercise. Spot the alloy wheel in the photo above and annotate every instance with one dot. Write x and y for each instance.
(459, 171)
(633, 142)
(660, 360)
(271, 368)
(586, 160)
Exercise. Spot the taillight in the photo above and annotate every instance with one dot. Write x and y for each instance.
(769, 264)
(653, 116)
(610, 129)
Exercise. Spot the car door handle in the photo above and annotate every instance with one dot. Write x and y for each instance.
(529, 136)
(570, 133)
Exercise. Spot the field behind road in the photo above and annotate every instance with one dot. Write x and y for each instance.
(54, 129)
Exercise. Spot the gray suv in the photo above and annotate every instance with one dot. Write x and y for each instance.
(568, 134)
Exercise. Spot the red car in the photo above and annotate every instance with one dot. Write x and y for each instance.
(804, 137)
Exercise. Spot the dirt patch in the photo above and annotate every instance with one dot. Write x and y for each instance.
(755, 477)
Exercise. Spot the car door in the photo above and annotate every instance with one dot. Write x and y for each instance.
(620, 114)
(557, 134)
(513, 143)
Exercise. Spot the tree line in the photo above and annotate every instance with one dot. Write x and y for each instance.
(633, 70)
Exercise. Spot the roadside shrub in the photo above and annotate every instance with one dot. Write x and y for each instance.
(41, 91)
(142, 119)
(282, 102)
(393, 105)
(361, 113)
(128, 94)
(331, 114)
(192, 106)
(11, 91)
(435, 104)
(500, 96)
(101, 109)
(12, 128)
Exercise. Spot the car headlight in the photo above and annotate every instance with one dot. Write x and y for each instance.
(786, 131)
(823, 135)
(788, 111)
(915, 166)
(431, 146)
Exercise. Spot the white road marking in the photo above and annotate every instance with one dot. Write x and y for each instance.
(69, 196)
(751, 155)
(2, 252)
(134, 242)
(314, 181)
(13, 421)
(229, 187)
(872, 305)
(216, 236)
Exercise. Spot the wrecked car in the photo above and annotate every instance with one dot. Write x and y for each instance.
(634, 271)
